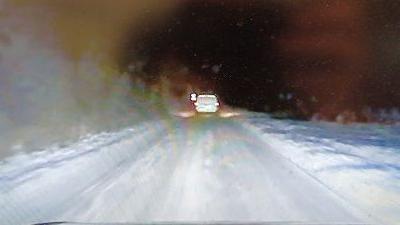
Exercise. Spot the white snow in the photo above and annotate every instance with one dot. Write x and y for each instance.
(208, 169)
(359, 162)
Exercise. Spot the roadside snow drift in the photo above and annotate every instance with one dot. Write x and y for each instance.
(359, 162)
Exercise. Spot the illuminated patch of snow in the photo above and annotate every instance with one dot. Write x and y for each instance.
(359, 162)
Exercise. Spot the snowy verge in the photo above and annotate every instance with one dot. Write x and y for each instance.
(361, 163)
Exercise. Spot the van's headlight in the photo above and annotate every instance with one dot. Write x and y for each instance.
(193, 97)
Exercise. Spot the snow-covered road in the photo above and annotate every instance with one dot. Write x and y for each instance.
(196, 169)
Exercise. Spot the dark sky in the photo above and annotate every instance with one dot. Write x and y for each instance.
(322, 57)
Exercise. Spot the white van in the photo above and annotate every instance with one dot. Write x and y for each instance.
(206, 103)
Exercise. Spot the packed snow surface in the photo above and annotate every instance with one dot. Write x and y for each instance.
(248, 168)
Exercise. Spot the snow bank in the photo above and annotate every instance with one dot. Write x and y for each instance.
(42, 185)
(359, 162)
